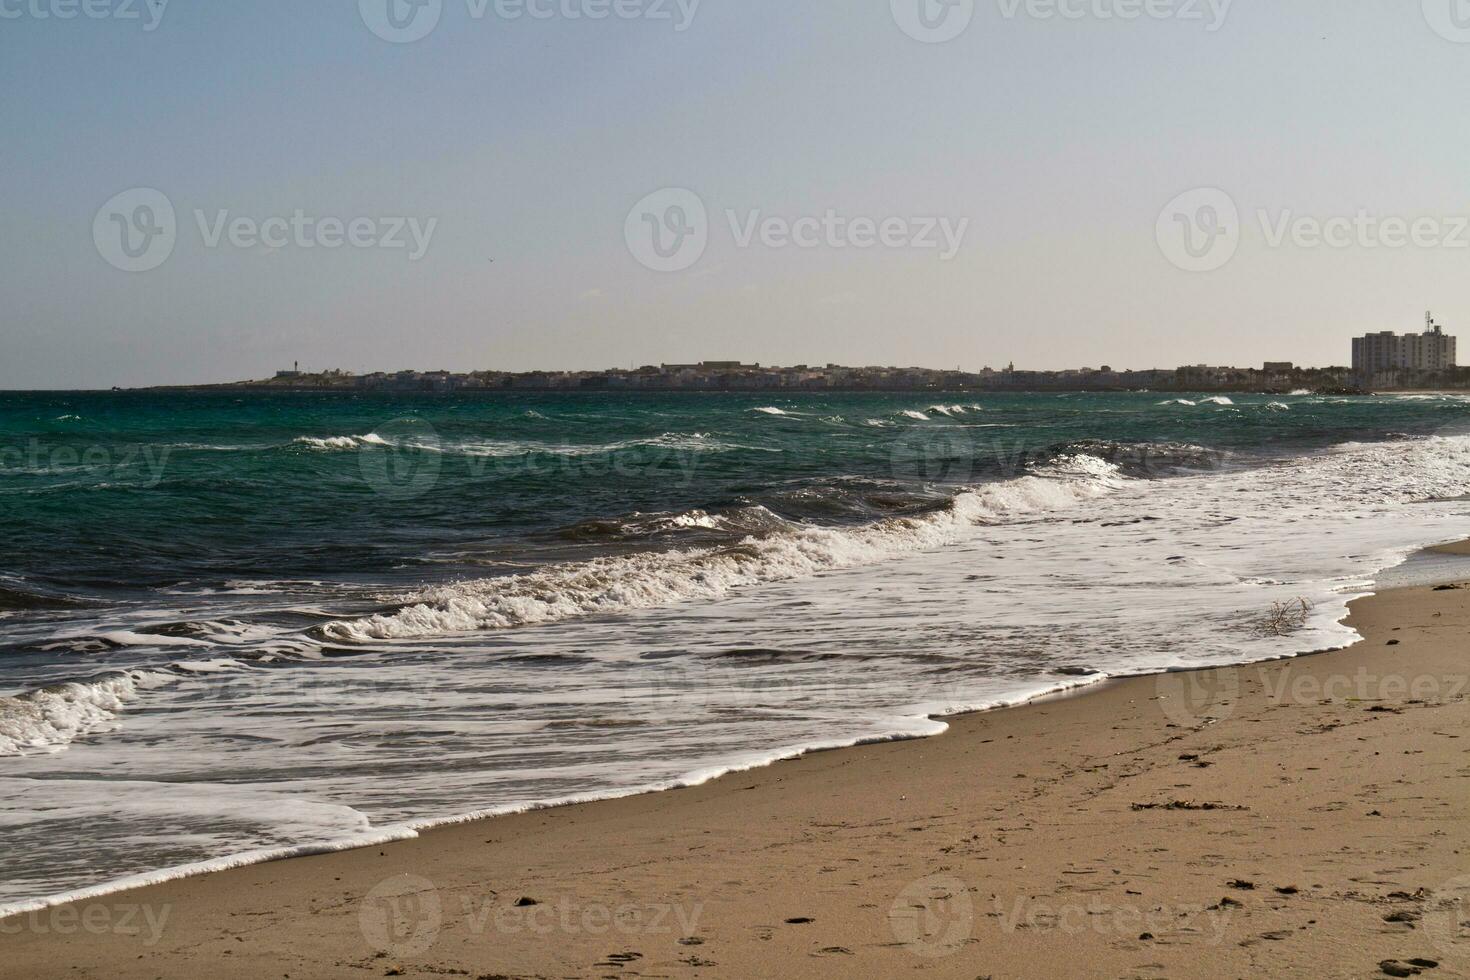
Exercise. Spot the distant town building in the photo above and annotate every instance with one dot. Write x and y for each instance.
(739, 376)
(1380, 353)
(1278, 367)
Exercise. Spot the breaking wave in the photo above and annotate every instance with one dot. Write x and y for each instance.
(623, 583)
(48, 719)
(340, 442)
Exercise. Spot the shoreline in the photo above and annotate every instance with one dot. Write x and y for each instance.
(413, 829)
(581, 855)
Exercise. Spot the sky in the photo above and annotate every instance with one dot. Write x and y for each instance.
(203, 191)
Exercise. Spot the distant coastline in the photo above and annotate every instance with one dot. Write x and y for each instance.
(734, 376)
(247, 388)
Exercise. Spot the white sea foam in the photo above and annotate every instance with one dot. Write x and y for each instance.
(341, 442)
(914, 414)
(1277, 407)
(48, 719)
(1213, 400)
(642, 581)
(1069, 568)
(324, 828)
(770, 410)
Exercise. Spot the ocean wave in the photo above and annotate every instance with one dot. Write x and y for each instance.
(13, 599)
(770, 410)
(914, 414)
(637, 526)
(340, 442)
(49, 719)
(1188, 403)
(507, 449)
(1146, 460)
(1277, 407)
(695, 442)
(647, 580)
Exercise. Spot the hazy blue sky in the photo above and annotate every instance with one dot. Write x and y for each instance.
(1060, 140)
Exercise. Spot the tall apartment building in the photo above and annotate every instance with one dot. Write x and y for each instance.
(1432, 350)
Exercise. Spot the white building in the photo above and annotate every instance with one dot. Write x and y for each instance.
(1432, 350)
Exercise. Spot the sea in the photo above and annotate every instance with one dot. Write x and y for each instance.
(241, 625)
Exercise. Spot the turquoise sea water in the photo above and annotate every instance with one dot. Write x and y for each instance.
(237, 625)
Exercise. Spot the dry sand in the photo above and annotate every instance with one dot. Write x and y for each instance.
(1305, 818)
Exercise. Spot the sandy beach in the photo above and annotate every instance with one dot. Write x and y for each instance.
(1302, 818)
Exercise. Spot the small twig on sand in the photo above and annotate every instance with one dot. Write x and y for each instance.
(1287, 617)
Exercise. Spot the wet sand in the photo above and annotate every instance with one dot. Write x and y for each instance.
(1303, 818)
